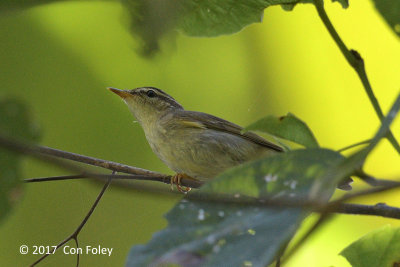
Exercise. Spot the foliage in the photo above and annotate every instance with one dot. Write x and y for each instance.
(288, 127)
(203, 233)
(380, 248)
(15, 122)
(390, 10)
(209, 233)
(151, 20)
(213, 232)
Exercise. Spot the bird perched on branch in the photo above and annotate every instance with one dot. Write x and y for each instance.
(193, 144)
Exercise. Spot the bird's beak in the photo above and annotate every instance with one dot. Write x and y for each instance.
(122, 93)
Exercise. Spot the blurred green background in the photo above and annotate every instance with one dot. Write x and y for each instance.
(61, 57)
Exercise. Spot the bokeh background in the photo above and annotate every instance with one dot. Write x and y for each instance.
(61, 57)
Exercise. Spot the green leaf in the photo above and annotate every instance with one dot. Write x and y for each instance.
(152, 19)
(390, 10)
(202, 233)
(288, 127)
(344, 3)
(380, 248)
(14, 122)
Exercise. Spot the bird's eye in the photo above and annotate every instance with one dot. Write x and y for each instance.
(151, 93)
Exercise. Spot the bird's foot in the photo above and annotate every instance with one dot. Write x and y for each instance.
(176, 180)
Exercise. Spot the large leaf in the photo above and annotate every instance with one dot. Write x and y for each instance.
(151, 19)
(380, 248)
(202, 233)
(14, 122)
(390, 10)
(288, 127)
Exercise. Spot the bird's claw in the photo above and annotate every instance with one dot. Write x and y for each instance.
(176, 180)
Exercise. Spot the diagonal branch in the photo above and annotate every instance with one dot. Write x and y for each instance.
(51, 155)
(74, 235)
(357, 63)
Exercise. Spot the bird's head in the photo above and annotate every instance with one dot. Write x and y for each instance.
(147, 103)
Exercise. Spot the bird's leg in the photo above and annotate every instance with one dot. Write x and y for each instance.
(176, 180)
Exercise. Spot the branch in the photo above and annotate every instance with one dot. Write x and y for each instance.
(48, 155)
(97, 162)
(44, 153)
(380, 209)
(365, 142)
(357, 63)
(326, 209)
(75, 234)
(335, 206)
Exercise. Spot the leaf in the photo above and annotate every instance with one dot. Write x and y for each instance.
(390, 10)
(14, 122)
(288, 127)
(202, 233)
(152, 19)
(380, 248)
(344, 3)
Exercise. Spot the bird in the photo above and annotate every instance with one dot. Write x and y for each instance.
(195, 145)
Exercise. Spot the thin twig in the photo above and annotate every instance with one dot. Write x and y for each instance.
(357, 63)
(75, 234)
(97, 176)
(48, 155)
(335, 206)
(380, 209)
(365, 142)
(114, 166)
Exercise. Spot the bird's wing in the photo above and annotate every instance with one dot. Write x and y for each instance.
(202, 120)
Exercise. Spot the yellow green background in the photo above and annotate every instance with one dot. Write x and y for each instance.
(61, 57)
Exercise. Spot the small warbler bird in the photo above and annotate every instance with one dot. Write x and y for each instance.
(193, 144)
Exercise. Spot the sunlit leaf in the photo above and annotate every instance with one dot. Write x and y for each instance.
(225, 234)
(14, 122)
(390, 10)
(380, 248)
(288, 127)
(151, 19)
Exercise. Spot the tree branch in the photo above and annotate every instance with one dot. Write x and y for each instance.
(357, 63)
(365, 142)
(114, 166)
(46, 154)
(380, 209)
(49, 155)
(75, 234)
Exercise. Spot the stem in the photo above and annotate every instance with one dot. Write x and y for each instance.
(50, 155)
(380, 209)
(357, 63)
(75, 234)
(354, 145)
(101, 177)
(95, 162)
